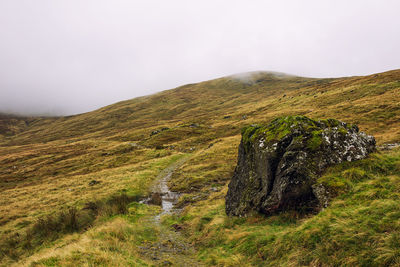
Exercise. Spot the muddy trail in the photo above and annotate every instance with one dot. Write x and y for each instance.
(171, 247)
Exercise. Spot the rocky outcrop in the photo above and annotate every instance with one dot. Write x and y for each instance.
(278, 164)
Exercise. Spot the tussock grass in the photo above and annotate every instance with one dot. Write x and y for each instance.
(25, 234)
(53, 226)
(360, 227)
(46, 165)
(112, 243)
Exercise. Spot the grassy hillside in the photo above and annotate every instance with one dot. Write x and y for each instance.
(360, 227)
(12, 124)
(48, 165)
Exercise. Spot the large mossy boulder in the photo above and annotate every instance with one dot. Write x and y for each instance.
(278, 164)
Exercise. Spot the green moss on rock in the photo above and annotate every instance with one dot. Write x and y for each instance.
(315, 141)
(279, 163)
(302, 127)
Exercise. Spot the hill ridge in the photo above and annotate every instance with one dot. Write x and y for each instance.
(103, 159)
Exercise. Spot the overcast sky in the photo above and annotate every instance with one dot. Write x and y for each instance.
(73, 56)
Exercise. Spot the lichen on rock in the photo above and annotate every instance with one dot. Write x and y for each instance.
(278, 163)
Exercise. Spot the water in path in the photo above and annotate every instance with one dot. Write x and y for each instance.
(168, 198)
(172, 248)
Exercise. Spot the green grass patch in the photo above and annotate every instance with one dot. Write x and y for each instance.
(360, 227)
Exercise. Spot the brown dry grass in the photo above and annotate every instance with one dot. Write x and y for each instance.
(48, 163)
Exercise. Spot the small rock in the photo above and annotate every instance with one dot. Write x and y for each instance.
(155, 199)
(214, 189)
(389, 146)
(321, 194)
(155, 132)
(194, 125)
(195, 197)
(158, 131)
(93, 182)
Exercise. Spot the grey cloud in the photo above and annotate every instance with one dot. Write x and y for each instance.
(73, 56)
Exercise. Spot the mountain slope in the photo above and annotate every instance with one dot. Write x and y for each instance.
(194, 101)
(251, 96)
(47, 164)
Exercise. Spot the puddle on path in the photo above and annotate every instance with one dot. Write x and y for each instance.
(168, 198)
(172, 248)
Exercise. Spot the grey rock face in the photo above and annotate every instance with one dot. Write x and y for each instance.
(278, 164)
